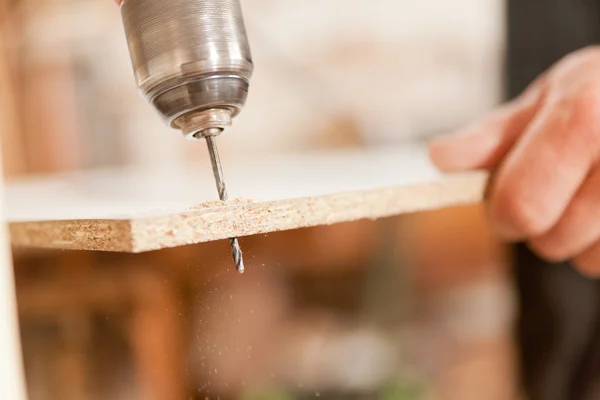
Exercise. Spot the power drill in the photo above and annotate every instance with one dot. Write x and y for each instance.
(192, 62)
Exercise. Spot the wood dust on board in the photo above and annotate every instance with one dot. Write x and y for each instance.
(219, 203)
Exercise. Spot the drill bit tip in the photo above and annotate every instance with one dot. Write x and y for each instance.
(238, 258)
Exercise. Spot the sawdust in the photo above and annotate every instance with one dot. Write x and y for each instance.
(202, 206)
(220, 203)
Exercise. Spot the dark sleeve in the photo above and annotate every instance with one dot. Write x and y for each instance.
(541, 32)
(558, 323)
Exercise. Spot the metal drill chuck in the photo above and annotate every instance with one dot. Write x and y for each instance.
(191, 60)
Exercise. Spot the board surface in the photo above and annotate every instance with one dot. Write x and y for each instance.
(136, 210)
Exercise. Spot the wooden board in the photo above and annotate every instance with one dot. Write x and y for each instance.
(137, 210)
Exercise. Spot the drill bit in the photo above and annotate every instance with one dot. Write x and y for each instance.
(236, 251)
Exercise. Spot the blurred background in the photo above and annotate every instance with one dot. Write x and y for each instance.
(417, 307)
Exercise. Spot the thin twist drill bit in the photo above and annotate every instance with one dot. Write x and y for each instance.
(236, 251)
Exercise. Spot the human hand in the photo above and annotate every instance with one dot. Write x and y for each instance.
(544, 151)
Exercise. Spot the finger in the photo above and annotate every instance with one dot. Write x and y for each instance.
(484, 144)
(546, 167)
(578, 228)
(588, 263)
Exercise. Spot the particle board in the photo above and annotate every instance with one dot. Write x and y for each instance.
(143, 209)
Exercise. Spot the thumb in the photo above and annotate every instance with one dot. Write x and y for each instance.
(484, 144)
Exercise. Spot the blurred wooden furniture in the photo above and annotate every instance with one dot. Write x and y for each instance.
(150, 289)
(81, 284)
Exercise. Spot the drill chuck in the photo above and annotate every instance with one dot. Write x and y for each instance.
(191, 60)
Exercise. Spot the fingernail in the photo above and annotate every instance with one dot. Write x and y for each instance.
(465, 133)
(456, 151)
